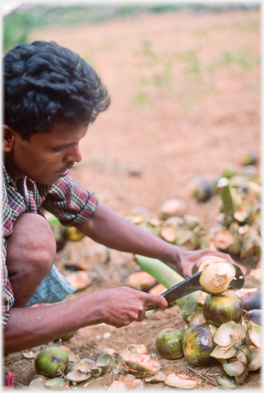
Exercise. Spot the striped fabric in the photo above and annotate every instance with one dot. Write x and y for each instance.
(67, 200)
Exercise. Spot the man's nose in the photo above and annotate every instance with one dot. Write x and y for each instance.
(75, 154)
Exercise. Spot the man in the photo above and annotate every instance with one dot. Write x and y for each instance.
(51, 97)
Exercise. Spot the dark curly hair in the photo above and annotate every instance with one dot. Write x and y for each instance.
(44, 84)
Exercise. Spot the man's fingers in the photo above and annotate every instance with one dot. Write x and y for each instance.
(158, 300)
(141, 315)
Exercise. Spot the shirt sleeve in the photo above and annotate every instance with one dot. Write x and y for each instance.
(70, 202)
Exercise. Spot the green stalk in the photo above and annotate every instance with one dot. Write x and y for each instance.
(228, 205)
(169, 277)
(52, 220)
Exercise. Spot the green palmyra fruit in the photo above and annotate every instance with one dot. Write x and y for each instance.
(222, 308)
(50, 360)
(169, 343)
(201, 189)
(198, 344)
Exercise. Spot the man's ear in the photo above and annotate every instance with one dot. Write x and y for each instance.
(8, 138)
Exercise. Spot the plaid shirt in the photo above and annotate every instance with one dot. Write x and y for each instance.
(66, 199)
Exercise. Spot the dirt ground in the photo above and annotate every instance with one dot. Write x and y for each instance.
(185, 91)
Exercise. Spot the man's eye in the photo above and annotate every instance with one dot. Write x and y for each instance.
(58, 149)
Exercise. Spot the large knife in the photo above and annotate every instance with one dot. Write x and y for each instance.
(192, 284)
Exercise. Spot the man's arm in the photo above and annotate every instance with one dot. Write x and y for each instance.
(29, 327)
(116, 232)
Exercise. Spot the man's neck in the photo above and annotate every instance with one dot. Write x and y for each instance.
(11, 168)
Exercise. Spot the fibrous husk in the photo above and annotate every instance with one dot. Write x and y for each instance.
(253, 279)
(200, 238)
(197, 317)
(152, 224)
(141, 363)
(229, 334)
(142, 281)
(255, 217)
(255, 334)
(224, 221)
(254, 358)
(171, 229)
(126, 382)
(117, 386)
(251, 297)
(185, 240)
(84, 365)
(159, 376)
(173, 207)
(253, 315)
(57, 383)
(71, 356)
(106, 362)
(252, 191)
(78, 376)
(250, 173)
(243, 212)
(110, 351)
(237, 366)
(182, 381)
(138, 348)
(134, 384)
(30, 354)
(227, 241)
(38, 383)
(251, 243)
(138, 215)
(226, 383)
(80, 280)
(91, 254)
(190, 222)
(221, 352)
(158, 289)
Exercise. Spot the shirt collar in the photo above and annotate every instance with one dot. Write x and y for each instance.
(6, 177)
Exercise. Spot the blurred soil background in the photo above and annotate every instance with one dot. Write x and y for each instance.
(185, 89)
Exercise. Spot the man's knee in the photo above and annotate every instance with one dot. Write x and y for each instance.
(31, 245)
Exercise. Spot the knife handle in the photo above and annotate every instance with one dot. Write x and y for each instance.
(151, 307)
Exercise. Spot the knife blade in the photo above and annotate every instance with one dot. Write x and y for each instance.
(192, 284)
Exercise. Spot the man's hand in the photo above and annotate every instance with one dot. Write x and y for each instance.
(188, 258)
(123, 305)
(29, 327)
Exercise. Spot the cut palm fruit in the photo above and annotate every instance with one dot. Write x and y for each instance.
(182, 381)
(217, 277)
(141, 281)
(172, 208)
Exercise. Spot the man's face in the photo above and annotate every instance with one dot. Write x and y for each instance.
(48, 156)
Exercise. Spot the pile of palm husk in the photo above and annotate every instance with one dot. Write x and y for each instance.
(238, 227)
